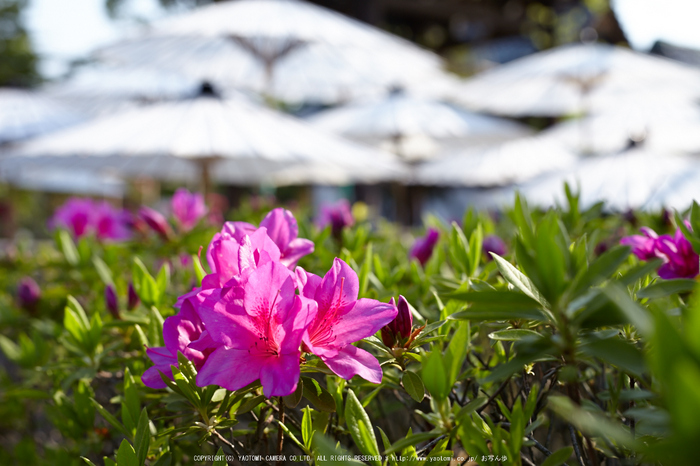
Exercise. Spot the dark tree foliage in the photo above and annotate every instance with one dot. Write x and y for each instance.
(18, 62)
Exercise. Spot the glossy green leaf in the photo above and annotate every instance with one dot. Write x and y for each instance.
(413, 385)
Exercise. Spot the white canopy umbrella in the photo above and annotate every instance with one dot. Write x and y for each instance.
(226, 140)
(399, 116)
(288, 49)
(658, 126)
(271, 26)
(313, 73)
(24, 114)
(628, 180)
(569, 79)
(83, 182)
(495, 165)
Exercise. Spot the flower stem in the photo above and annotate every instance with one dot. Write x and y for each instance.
(280, 432)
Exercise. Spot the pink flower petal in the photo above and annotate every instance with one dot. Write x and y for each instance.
(279, 376)
(365, 319)
(352, 361)
(231, 368)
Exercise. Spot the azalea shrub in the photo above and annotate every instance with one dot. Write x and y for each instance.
(564, 336)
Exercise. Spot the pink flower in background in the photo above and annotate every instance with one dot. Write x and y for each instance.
(423, 247)
(401, 327)
(643, 246)
(680, 260)
(156, 221)
(342, 319)
(260, 326)
(282, 228)
(337, 215)
(75, 215)
(188, 208)
(111, 223)
(180, 332)
(494, 244)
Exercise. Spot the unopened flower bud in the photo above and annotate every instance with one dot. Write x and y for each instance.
(133, 298)
(494, 244)
(423, 247)
(28, 293)
(400, 328)
(156, 221)
(112, 301)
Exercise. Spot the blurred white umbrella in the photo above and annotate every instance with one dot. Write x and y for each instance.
(82, 182)
(288, 49)
(575, 79)
(658, 126)
(495, 165)
(229, 141)
(400, 117)
(680, 192)
(628, 180)
(24, 114)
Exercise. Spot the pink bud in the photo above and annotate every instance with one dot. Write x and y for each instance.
(156, 221)
(112, 301)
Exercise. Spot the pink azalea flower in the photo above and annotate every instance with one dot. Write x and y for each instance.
(423, 247)
(223, 251)
(180, 332)
(283, 230)
(111, 223)
(680, 260)
(342, 319)
(643, 246)
(260, 326)
(188, 208)
(337, 215)
(75, 215)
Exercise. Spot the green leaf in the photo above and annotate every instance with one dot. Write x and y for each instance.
(413, 385)
(630, 309)
(199, 271)
(365, 270)
(475, 241)
(162, 281)
(456, 352)
(67, 246)
(411, 440)
(551, 263)
(131, 406)
(360, 427)
(126, 456)
(523, 220)
(558, 457)
(144, 284)
(595, 424)
(142, 440)
(689, 235)
(600, 270)
(616, 352)
(479, 313)
(513, 334)
(220, 459)
(664, 288)
(87, 461)
(110, 418)
(307, 430)
(318, 395)
(293, 399)
(103, 271)
(435, 376)
(518, 280)
(472, 406)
